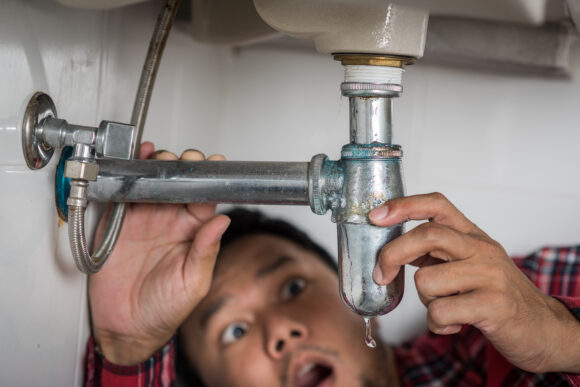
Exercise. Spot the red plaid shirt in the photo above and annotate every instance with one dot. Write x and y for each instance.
(465, 359)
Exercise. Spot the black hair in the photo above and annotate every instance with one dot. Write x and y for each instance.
(246, 222)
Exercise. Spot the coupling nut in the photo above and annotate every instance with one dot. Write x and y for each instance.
(82, 170)
(325, 182)
(78, 193)
(315, 184)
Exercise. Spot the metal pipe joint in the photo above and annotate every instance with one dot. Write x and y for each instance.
(109, 140)
(42, 133)
(366, 176)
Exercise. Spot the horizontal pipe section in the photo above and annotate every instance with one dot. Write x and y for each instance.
(239, 182)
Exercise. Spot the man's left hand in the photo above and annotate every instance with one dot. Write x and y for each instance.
(465, 277)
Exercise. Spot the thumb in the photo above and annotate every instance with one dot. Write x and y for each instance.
(200, 261)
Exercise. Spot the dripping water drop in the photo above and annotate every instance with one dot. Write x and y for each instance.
(369, 341)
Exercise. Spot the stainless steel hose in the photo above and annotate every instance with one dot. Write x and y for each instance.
(85, 262)
(80, 249)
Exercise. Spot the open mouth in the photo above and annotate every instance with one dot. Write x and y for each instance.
(313, 375)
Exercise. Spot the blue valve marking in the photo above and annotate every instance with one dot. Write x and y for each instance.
(62, 184)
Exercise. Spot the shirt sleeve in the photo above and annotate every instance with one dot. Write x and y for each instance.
(435, 360)
(556, 272)
(157, 371)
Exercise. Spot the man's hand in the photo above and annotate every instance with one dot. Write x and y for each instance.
(465, 277)
(159, 271)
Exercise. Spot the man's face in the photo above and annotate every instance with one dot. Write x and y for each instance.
(273, 317)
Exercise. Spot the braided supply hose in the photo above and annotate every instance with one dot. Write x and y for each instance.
(84, 261)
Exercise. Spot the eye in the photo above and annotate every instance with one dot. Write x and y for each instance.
(292, 288)
(234, 332)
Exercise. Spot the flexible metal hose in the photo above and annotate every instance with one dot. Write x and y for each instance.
(80, 249)
(85, 262)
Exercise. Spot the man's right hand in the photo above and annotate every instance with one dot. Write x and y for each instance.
(159, 271)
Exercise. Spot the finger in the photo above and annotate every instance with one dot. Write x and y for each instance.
(428, 239)
(146, 150)
(200, 261)
(434, 207)
(192, 155)
(470, 308)
(163, 155)
(442, 329)
(449, 279)
(217, 157)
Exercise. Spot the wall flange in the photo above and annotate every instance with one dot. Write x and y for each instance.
(36, 153)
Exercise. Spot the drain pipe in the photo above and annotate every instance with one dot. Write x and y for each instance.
(237, 182)
(367, 175)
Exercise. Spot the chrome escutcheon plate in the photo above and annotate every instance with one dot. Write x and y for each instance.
(36, 153)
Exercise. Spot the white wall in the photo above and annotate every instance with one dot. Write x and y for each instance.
(503, 147)
(89, 62)
(42, 297)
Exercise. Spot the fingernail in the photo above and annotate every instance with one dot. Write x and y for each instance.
(217, 157)
(193, 150)
(378, 275)
(450, 329)
(225, 226)
(379, 213)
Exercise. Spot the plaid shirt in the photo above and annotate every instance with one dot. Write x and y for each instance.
(465, 359)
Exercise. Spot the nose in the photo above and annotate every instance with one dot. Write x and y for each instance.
(282, 334)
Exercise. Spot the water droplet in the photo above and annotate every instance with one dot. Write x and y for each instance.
(369, 341)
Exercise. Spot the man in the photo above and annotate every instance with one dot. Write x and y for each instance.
(271, 314)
